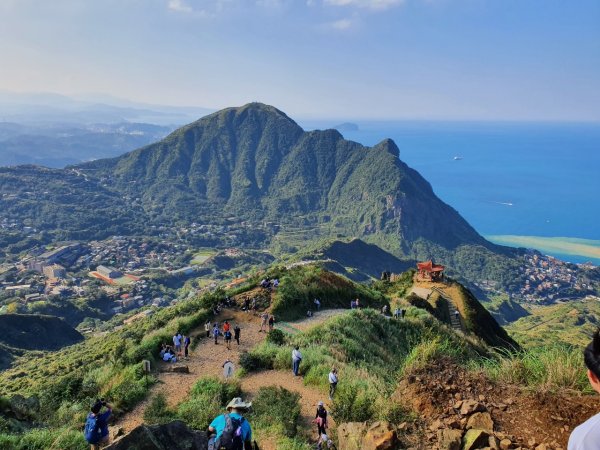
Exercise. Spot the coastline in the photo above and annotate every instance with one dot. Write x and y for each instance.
(560, 247)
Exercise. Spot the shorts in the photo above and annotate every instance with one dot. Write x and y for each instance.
(178, 348)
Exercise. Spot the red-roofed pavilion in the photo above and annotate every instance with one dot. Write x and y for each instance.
(430, 271)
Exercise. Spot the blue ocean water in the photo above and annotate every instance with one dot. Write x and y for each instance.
(505, 178)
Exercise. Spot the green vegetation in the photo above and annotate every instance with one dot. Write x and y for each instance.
(277, 409)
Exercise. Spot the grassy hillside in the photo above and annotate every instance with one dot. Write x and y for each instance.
(570, 323)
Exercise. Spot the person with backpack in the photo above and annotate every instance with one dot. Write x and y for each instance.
(227, 336)
(587, 435)
(271, 322)
(207, 328)
(216, 333)
(236, 333)
(231, 431)
(96, 425)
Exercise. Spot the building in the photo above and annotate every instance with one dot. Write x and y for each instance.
(108, 272)
(428, 271)
(55, 271)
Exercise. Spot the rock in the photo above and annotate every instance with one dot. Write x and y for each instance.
(470, 407)
(116, 432)
(350, 435)
(493, 443)
(174, 436)
(481, 421)
(24, 408)
(454, 423)
(505, 444)
(380, 436)
(179, 369)
(449, 439)
(542, 447)
(474, 439)
(436, 425)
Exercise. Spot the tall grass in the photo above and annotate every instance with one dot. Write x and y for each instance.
(550, 368)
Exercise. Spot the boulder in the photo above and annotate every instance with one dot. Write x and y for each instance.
(380, 436)
(506, 444)
(179, 369)
(449, 439)
(474, 439)
(481, 421)
(174, 436)
(470, 407)
(350, 435)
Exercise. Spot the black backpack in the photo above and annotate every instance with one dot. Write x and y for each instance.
(231, 438)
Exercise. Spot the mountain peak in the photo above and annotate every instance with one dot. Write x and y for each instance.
(389, 146)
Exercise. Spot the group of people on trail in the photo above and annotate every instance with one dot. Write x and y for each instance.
(399, 313)
(355, 304)
(266, 319)
(224, 331)
(249, 304)
(173, 353)
(267, 283)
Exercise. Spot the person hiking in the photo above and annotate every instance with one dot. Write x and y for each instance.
(396, 313)
(247, 304)
(226, 326)
(317, 303)
(216, 333)
(271, 322)
(186, 345)
(207, 328)
(236, 333)
(231, 431)
(227, 336)
(324, 442)
(296, 359)
(587, 435)
(321, 419)
(96, 425)
(177, 343)
(263, 323)
(385, 310)
(333, 381)
(402, 313)
(357, 304)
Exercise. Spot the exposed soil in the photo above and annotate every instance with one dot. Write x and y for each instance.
(526, 418)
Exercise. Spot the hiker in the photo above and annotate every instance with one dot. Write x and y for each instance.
(226, 326)
(186, 344)
(397, 313)
(357, 304)
(254, 305)
(385, 310)
(352, 304)
(587, 435)
(231, 430)
(236, 333)
(169, 356)
(321, 419)
(333, 381)
(207, 328)
(96, 424)
(324, 442)
(263, 324)
(317, 303)
(163, 350)
(296, 359)
(275, 283)
(177, 343)
(227, 336)
(216, 333)
(402, 313)
(271, 322)
(247, 304)
(457, 315)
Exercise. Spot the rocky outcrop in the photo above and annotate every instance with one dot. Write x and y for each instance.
(172, 436)
(359, 436)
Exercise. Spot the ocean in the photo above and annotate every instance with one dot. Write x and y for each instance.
(517, 183)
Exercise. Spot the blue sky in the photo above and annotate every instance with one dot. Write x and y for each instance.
(380, 59)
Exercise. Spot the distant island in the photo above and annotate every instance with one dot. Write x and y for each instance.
(347, 126)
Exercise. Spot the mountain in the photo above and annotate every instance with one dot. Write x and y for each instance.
(254, 165)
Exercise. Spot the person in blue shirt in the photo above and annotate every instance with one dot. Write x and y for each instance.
(236, 408)
(101, 422)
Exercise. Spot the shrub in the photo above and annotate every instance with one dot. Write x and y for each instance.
(158, 411)
(353, 403)
(276, 337)
(276, 405)
(253, 361)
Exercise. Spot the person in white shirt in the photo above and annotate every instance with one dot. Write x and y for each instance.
(333, 381)
(296, 358)
(587, 435)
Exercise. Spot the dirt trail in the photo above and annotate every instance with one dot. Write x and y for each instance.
(207, 360)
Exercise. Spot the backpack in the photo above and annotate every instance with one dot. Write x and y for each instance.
(231, 438)
(91, 432)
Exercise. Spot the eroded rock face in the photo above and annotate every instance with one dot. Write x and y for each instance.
(380, 436)
(173, 436)
(350, 435)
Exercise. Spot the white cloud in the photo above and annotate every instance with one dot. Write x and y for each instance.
(367, 4)
(180, 6)
(342, 24)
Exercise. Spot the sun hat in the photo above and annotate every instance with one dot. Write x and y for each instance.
(237, 403)
(320, 404)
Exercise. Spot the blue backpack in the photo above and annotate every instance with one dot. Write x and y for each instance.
(92, 432)
(231, 438)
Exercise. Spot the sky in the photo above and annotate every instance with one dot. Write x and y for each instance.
(363, 59)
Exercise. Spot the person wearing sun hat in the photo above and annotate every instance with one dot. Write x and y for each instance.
(231, 430)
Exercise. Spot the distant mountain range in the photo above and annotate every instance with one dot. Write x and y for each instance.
(254, 164)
